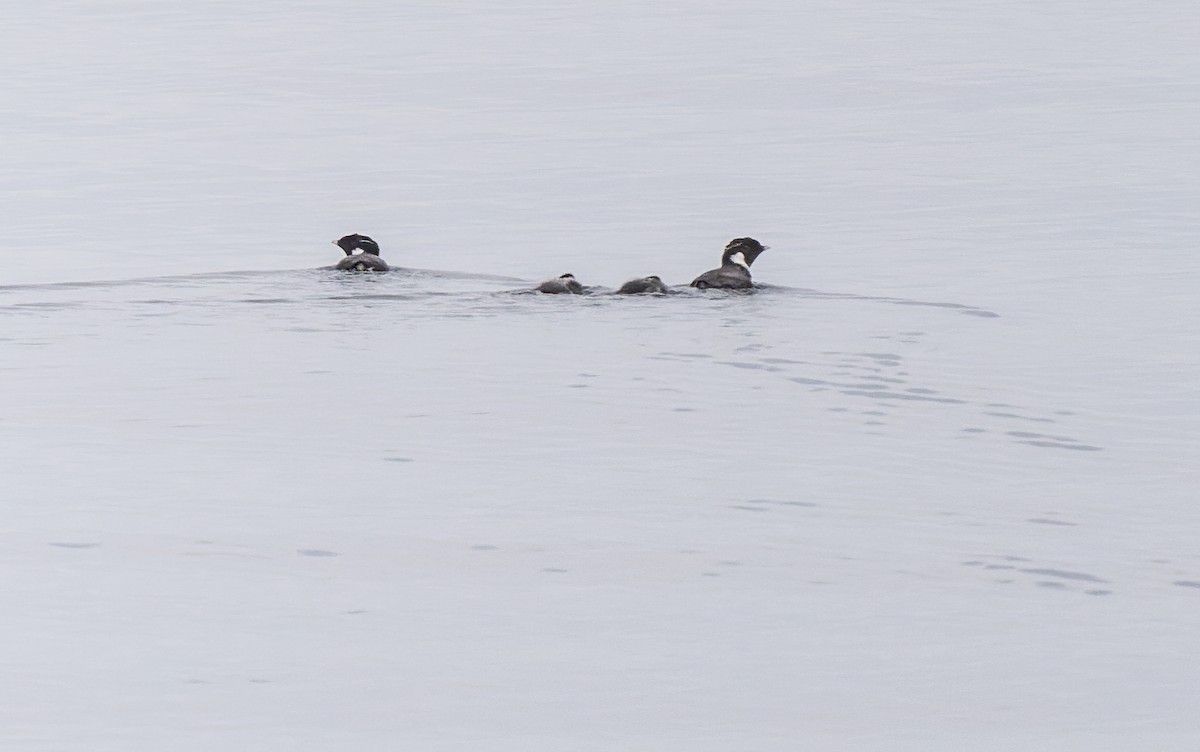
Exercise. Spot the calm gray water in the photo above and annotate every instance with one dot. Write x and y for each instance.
(932, 487)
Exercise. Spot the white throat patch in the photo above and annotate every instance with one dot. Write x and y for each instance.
(739, 258)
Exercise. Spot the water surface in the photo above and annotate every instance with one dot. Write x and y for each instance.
(931, 487)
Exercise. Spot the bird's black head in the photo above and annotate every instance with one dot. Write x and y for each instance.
(350, 243)
(748, 247)
(568, 275)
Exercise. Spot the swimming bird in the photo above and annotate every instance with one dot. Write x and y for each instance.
(561, 284)
(642, 285)
(734, 273)
(368, 260)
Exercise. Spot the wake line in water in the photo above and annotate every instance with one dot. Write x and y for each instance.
(960, 307)
(398, 274)
(249, 274)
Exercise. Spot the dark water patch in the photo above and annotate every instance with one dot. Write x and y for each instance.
(1065, 575)
(885, 379)
(782, 502)
(813, 382)
(1187, 583)
(877, 413)
(555, 570)
(398, 459)
(355, 612)
(690, 356)
(1050, 585)
(854, 367)
(316, 552)
(883, 359)
(1053, 442)
(974, 430)
(1097, 592)
(1046, 521)
(1019, 417)
(683, 410)
(66, 544)
(999, 566)
(981, 563)
(785, 361)
(484, 547)
(838, 409)
(1058, 445)
(884, 395)
(748, 366)
(920, 390)
(1032, 435)
(34, 307)
(824, 383)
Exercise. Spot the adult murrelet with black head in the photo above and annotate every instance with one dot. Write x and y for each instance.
(734, 273)
(651, 284)
(565, 283)
(367, 261)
